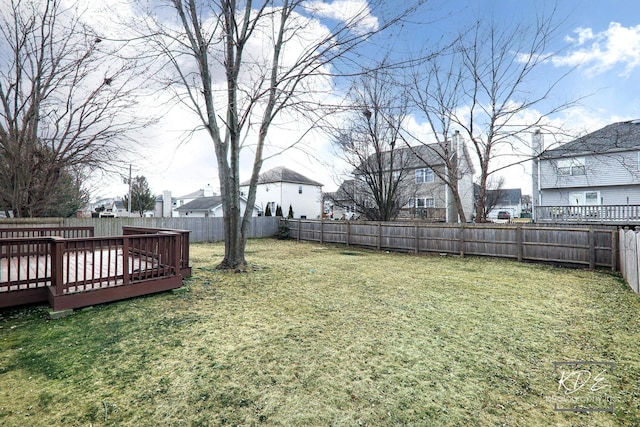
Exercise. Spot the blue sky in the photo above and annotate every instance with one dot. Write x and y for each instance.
(599, 40)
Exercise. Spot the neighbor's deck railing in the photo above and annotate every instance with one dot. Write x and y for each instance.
(619, 214)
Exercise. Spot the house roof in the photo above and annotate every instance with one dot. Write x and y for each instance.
(201, 204)
(194, 195)
(341, 192)
(621, 136)
(507, 196)
(283, 174)
(418, 156)
(206, 204)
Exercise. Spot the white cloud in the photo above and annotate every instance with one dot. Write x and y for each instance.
(347, 11)
(617, 46)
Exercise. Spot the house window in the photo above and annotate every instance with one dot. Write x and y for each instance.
(300, 189)
(591, 198)
(423, 202)
(424, 175)
(574, 167)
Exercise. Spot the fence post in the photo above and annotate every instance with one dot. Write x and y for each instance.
(592, 248)
(614, 250)
(321, 230)
(379, 236)
(416, 242)
(299, 230)
(348, 231)
(462, 240)
(519, 242)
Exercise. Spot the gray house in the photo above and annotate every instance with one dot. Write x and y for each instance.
(596, 176)
(424, 195)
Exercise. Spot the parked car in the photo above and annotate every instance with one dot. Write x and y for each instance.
(504, 215)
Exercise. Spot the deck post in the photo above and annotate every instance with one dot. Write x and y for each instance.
(126, 276)
(175, 262)
(57, 258)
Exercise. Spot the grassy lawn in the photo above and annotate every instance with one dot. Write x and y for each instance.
(334, 336)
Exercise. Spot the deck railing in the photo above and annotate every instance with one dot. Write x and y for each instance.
(618, 214)
(68, 271)
(66, 232)
(184, 243)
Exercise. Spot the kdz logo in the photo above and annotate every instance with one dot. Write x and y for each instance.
(583, 386)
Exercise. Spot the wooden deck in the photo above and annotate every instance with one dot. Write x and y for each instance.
(80, 271)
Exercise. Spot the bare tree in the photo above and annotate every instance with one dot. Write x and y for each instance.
(484, 89)
(435, 91)
(65, 102)
(238, 92)
(367, 143)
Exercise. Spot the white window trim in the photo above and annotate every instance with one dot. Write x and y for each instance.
(574, 166)
(424, 175)
(422, 202)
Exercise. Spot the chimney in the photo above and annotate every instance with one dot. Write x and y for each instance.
(537, 143)
(537, 147)
(167, 205)
(208, 191)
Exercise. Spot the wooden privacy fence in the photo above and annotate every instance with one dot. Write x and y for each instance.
(583, 246)
(629, 258)
(201, 229)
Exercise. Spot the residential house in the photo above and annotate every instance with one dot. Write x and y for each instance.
(109, 208)
(165, 204)
(208, 207)
(182, 200)
(504, 200)
(284, 187)
(339, 206)
(418, 169)
(581, 177)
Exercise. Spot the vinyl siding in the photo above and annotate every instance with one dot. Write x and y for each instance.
(613, 195)
(601, 170)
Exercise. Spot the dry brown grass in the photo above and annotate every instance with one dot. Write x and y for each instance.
(321, 335)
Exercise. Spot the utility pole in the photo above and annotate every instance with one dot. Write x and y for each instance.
(129, 207)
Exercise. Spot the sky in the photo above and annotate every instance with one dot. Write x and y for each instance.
(598, 43)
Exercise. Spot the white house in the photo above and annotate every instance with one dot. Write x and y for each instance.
(109, 208)
(182, 200)
(209, 207)
(504, 200)
(284, 187)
